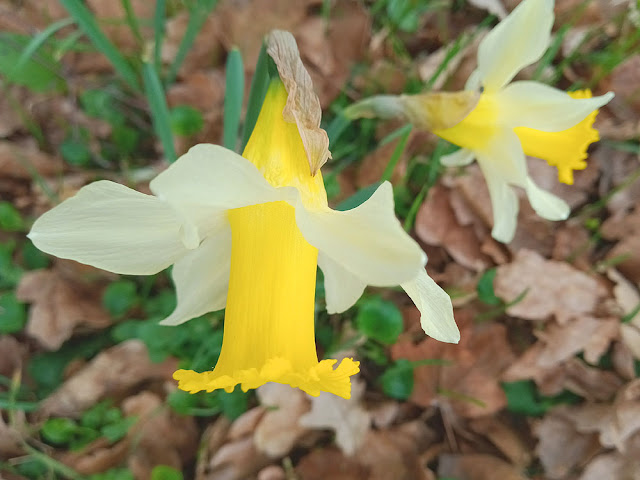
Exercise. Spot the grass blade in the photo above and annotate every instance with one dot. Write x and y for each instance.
(158, 32)
(37, 41)
(403, 133)
(197, 18)
(132, 21)
(159, 110)
(234, 93)
(87, 23)
(257, 92)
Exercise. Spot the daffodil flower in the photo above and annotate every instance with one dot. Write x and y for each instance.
(247, 233)
(509, 120)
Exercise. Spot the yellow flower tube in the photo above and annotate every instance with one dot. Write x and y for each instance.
(269, 332)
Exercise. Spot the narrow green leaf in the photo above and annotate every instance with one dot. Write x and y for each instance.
(234, 93)
(87, 23)
(38, 40)
(403, 133)
(159, 19)
(197, 18)
(159, 110)
(132, 21)
(257, 92)
(336, 128)
(40, 73)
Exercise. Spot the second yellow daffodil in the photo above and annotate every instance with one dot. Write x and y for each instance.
(505, 121)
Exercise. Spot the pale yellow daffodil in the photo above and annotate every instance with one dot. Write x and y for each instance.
(509, 120)
(247, 233)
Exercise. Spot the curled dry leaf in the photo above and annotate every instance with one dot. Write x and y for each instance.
(583, 334)
(552, 288)
(477, 467)
(436, 224)
(330, 463)
(12, 355)
(347, 418)
(560, 446)
(161, 437)
(231, 452)
(395, 453)
(279, 427)
(612, 465)
(470, 382)
(303, 106)
(18, 159)
(505, 438)
(330, 47)
(616, 422)
(59, 307)
(113, 371)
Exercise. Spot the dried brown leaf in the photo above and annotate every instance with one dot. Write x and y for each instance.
(560, 446)
(477, 467)
(112, 372)
(470, 384)
(505, 438)
(12, 355)
(437, 224)
(589, 334)
(17, 159)
(612, 465)
(279, 427)
(347, 418)
(616, 422)
(59, 307)
(553, 288)
(395, 453)
(161, 437)
(330, 463)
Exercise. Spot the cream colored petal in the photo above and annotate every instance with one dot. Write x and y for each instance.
(538, 106)
(210, 177)
(459, 158)
(517, 41)
(546, 204)
(202, 278)
(474, 82)
(112, 227)
(504, 165)
(436, 311)
(368, 241)
(342, 288)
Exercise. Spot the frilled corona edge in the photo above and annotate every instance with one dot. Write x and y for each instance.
(322, 377)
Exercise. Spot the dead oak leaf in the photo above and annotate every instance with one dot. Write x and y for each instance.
(436, 224)
(347, 418)
(161, 437)
(589, 334)
(59, 306)
(616, 422)
(560, 446)
(113, 371)
(469, 382)
(395, 453)
(552, 288)
(278, 429)
(476, 466)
